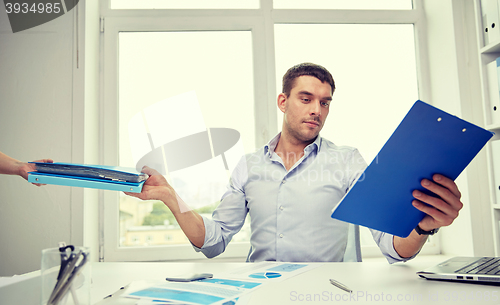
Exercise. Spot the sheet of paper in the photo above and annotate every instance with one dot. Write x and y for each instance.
(225, 289)
(205, 292)
(269, 271)
(5, 281)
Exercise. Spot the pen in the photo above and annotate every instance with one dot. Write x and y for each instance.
(340, 285)
(115, 293)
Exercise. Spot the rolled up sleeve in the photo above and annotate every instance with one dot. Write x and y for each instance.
(385, 242)
(228, 217)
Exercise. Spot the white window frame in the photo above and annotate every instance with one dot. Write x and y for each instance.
(261, 24)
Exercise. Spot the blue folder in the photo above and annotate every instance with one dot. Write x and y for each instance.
(428, 141)
(90, 176)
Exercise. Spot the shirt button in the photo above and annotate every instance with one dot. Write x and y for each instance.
(284, 181)
(281, 208)
(281, 235)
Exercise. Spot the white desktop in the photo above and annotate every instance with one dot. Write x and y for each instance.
(372, 281)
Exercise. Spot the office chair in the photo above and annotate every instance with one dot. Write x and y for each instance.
(353, 248)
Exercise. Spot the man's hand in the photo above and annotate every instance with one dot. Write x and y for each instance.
(443, 210)
(157, 188)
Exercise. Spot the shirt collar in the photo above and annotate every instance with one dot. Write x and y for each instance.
(271, 145)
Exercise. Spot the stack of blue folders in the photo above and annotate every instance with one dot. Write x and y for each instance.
(112, 178)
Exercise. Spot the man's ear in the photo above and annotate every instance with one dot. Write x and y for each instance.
(282, 102)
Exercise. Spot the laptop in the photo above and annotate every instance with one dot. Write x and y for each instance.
(465, 269)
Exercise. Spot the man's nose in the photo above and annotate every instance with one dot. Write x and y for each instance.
(315, 109)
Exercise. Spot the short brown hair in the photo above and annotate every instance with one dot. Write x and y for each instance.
(306, 68)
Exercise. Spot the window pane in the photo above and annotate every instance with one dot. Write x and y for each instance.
(173, 86)
(343, 4)
(375, 75)
(184, 4)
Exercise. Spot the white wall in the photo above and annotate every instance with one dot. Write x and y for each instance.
(37, 116)
(445, 95)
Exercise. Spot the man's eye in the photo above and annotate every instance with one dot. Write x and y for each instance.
(306, 100)
(325, 104)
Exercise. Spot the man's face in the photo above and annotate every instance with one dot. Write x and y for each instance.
(306, 108)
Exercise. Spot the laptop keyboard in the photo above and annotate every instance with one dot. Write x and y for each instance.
(485, 265)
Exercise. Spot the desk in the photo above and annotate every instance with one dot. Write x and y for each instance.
(372, 282)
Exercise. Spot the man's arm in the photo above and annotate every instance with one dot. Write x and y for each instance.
(11, 166)
(157, 188)
(441, 211)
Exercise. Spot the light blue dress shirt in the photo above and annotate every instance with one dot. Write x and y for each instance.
(290, 210)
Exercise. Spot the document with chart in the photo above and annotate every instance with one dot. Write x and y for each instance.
(212, 291)
(224, 288)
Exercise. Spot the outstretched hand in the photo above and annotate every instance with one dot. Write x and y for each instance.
(24, 168)
(442, 210)
(156, 187)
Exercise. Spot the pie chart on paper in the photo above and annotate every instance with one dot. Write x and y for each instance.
(265, 275)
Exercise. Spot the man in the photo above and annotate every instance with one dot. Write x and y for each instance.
(290, 186)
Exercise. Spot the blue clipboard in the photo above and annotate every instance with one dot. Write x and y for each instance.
(428, 141)
(55, 179)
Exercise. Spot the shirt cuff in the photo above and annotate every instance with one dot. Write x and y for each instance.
(198, 249)
(211, 246)
(394, 257)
